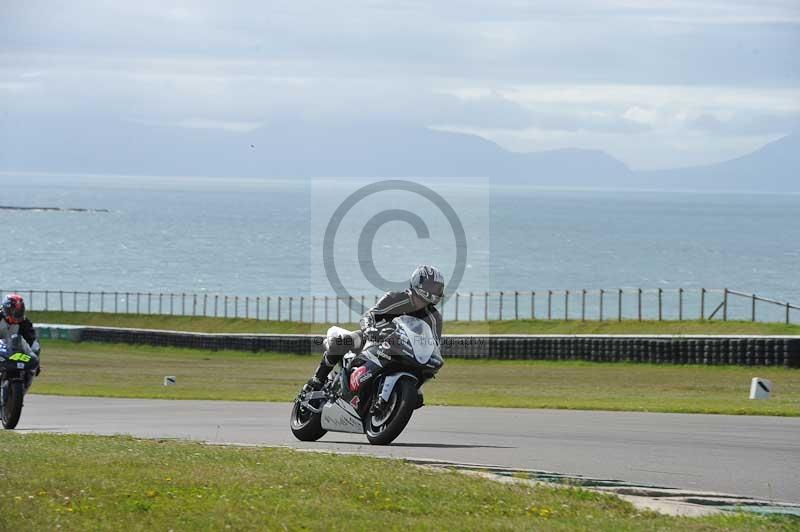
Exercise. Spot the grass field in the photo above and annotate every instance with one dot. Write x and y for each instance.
(138, 371)
(241, 325)
(69, 482)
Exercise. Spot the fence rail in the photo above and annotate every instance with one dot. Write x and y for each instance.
(656, 349)
(599, 305)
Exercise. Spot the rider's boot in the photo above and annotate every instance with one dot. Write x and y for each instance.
(315, 383)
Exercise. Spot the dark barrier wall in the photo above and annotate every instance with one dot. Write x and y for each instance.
(710, 350)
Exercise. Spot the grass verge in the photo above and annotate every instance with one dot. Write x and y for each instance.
(113, 370)
(71, 482)
(241, 325)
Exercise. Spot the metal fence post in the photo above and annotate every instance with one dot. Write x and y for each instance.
(183, 304)
(258, 305)
(566, 305)
(268, 300)
(619, 305)
(61, 301)
(601, 303)
(149, 300)
(246, 307)
(291, 301)
(171, 304)
(127, 302)
(279, 307)
(486, 306)
(102, 297)
(301, 308)
(138, 302)
(516, 305)
(225, 306)
(724, 304)
(88, 301)
(456, 306)
(194, 304)
(787, 313)
(160, 303)
(350, 309)
(46, 300)
(660, 292)
(74, 301)
(501, 306)
(753, 309)
(235, 306)
(702, 303)
(583, 305)
(216, 305)
(549, 304)
(205, 305)
(533, 304)
(639, 304)
(680, 304)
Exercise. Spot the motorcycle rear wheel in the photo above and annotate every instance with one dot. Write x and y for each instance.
(305, 424)
(12, 405)
(383, 429)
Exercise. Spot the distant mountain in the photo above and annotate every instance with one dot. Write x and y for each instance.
(774, 167)
(289, 150)
(301, 150)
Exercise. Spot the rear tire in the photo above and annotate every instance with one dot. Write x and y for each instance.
(305, 424)
(12, 406)
(402, 402)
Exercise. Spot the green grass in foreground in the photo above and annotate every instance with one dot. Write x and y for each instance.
(137, 371)
(118, 483)
(241, 325)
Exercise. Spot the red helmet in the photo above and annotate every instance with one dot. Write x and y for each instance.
(14, 308)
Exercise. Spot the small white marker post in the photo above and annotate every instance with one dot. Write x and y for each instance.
(169, 380)
(760, 388)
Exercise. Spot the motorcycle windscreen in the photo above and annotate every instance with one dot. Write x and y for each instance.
(420, 337)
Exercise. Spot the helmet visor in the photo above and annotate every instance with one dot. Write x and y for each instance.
(429, 297)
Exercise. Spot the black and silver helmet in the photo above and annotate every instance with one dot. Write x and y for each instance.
(428, 283)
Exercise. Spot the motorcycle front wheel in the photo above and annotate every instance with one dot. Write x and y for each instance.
(13, 392)
(384, 427)
(305, 424)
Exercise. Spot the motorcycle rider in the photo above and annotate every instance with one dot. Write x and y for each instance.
(13, 321)
(425, 291)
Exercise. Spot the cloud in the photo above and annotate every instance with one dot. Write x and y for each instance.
(745, 123)
(717, 76)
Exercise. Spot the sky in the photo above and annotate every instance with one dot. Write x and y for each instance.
(657, 84)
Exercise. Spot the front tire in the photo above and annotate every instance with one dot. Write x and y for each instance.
(305, 424)
(382, 430)
(12, 404)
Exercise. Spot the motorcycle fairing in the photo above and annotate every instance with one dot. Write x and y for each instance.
(340, 416)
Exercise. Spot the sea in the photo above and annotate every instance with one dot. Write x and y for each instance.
(254, 238)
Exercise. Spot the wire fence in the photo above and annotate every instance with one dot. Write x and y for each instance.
(584, 305)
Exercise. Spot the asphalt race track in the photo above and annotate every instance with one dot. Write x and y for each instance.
(744, 455)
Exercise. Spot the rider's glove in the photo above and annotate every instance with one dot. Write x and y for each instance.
(367, 322)
(36, 348)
